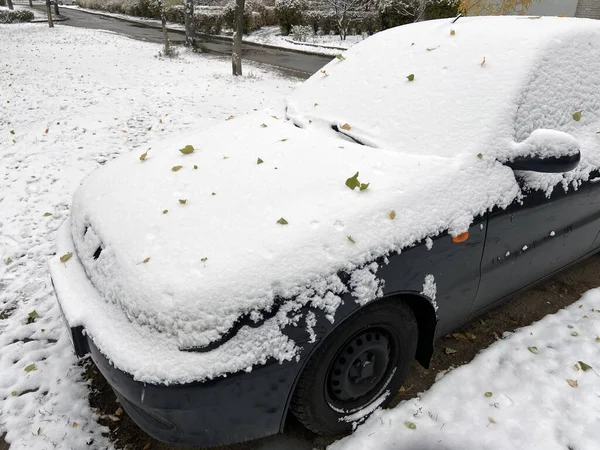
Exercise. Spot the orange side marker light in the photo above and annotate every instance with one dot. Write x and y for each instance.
(462, 237)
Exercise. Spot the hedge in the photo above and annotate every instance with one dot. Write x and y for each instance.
(12, 16)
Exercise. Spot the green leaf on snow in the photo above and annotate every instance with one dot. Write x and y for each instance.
(410, 425)
(411, 77)
(282, 221)
(533, 349)
(66, 257)
(577, 115)
(176, 168)
(585, 367)
(340, 57)
(30, 368)
(259, 161)
(33, 315)
(351, 240)
(488, 394)
(187, 149)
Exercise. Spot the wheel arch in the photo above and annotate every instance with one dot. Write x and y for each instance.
(425, 312)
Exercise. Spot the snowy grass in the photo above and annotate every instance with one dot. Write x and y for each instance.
(72, 100)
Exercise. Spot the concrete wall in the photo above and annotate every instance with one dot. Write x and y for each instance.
(588, 8)
(556, 7)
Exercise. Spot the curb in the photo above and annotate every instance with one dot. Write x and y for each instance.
(211, 36)
(57, 19)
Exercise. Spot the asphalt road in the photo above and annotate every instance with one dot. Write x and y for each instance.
(291, 63)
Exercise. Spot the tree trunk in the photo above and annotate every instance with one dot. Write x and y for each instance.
(31, 3)
(10, 4)
(163, 21)
(49, 12)
(190, 29)
(236, 56)
(56, 8)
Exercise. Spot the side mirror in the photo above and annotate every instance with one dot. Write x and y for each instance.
(546, 151)
(552, 164)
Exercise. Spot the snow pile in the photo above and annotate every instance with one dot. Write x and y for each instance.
(72, 100)
(536, 389)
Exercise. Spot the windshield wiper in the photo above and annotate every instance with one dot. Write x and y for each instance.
(337, 129)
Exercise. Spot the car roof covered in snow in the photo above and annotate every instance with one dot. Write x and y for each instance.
(437, 87)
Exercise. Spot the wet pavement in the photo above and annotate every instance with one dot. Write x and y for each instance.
(289, 62)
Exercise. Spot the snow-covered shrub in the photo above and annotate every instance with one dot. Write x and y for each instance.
(175, 14)
(209, 22)
(2, 2)
(252, 16)
(302, 33)
(393, 13)
(289, 13)
(328, 23)
(312, 18)
(364, 23)
(11, 16)
(440, 9)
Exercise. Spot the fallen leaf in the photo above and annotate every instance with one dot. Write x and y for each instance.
(282, 221)
(146, 260)
(213, 193)
(30, 368)
(264, 125)
(411, 77)
(533, 349)
(33, 315)
(346, 127)
(491, 420)
(259, 161)
(75, 425)
(576, 366)
(119, 411)
(275, 117)
(449, 351)
(165, 211)
(283, 140)
(574, 334)
(452, 32)
(340, 57)
(143, 156)
(470, 336)
(324, 72)
(577, 115)
(430, 49)
(351, 240)
(585, 367)
(402, 389)
(483, 62)
(410, 425)
(46, 131)
(66, 257)
(229, 118)
(38, 431)
(353, 182)
(572, 383)
(14, 393)
(8, 260)
(147, 446)
(488, 394)
(187, 149)
(183, 201)
(47, 214)
(195, 167)
(176, 168)
(392, 214)
(13, 131)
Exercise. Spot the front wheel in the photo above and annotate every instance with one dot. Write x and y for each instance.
(359, 367)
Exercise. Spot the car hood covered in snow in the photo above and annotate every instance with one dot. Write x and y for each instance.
(185, 244)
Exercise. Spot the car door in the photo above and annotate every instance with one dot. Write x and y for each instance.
(537, 237)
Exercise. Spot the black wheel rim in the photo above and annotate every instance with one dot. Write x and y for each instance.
(362, 369)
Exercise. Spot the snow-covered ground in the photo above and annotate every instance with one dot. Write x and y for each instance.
(538, 388)
(72, 100)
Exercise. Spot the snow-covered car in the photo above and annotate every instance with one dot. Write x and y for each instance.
(298, 259)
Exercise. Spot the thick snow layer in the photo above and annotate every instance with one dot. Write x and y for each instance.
(183, 244)
(529, 390)
(75, 99)
(473, 87)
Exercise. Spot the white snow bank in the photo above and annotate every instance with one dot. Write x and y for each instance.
(545, 143)
(527, 391)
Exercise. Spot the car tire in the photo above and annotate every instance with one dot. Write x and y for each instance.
(359, 367)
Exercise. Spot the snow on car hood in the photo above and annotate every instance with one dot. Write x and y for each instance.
(186, 244)
(192, 269)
